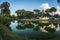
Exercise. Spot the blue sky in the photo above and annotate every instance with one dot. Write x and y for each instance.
(28, 4)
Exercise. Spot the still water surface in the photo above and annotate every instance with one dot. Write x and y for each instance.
(35, 29)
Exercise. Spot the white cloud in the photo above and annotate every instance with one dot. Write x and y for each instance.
(58, 7)
(45, 6)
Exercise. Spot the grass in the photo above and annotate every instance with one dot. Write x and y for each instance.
(57, 38)
(6, 34)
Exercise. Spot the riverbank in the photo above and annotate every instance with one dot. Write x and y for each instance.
(38, 19)
(6, 34)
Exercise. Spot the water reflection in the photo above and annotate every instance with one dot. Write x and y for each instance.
(35, 29)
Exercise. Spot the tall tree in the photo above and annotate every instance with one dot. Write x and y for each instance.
(24, 14)
(53, 10)
(5, 8)
(57, 16)
(21, 13)
(36, 12)
(29, 14)
(47, 12)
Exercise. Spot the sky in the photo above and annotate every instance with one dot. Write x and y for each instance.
(30, 4)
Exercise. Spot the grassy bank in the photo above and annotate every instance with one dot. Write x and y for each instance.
(6, 34)
(57, 38)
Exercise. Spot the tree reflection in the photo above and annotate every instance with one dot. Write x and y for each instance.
(50, 30)
(29, 26)
(49, 27)
(36, 28)
(20, 27)
(36, 22)
(44, 24)
(25, 26)
(56, 24)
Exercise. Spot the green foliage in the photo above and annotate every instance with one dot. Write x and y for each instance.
(29, 26)
(50, 30)
(37, 10)
(4, 20)
(5, 4)
(29, 14)
(20, 12)
(24, 14)
(20, 27)
(53, 9)
(35, 22)
(47, 10)
(56, 16)
(6, 34)
(43, 24)
(5, 8)
(37, 28)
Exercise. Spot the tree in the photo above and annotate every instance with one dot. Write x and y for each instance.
(13, 16)
(37, 12)
(24, 14)
(21, 13)
(29, 14)
(18, 12)
(47, 12)
(5, 8)
(56, 16)
(53, 10)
